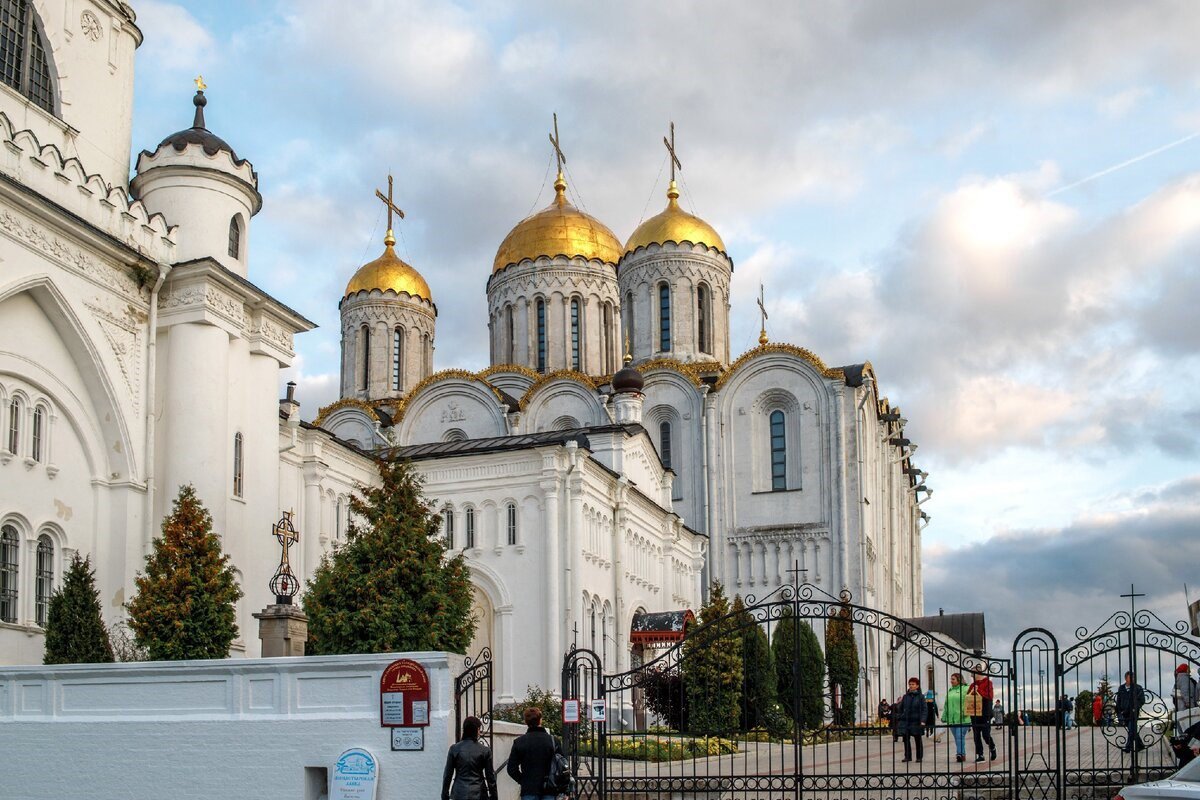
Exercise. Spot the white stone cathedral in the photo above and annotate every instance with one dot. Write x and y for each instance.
(586, 482)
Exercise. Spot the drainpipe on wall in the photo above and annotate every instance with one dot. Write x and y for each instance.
(151, 400)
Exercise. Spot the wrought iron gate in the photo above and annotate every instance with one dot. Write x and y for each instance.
(693, 721)
(473, 695)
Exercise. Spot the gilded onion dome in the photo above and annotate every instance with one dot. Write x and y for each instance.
(558, 230)
(389, 272)
(674, 224)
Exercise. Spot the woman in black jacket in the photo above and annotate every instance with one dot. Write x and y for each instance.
(910, 719)
(469, 764)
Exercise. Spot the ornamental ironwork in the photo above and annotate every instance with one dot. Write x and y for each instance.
(284, 583)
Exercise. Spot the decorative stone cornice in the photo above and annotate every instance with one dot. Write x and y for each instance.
(690, 370)
(438, 377)
(835, 373)
(561, 374)
(497, 369)
(337, 405)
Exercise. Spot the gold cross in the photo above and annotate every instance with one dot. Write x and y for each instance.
(762, 309)
(387, 201)
(200, 84)
(671, 149)
(558, 153)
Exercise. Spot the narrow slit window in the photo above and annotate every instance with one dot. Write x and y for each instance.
(512, 523)
(606, 339)
(397, 357)
(702, 319)
(44, 578)
(510, 335)
(541, 336)
(10, 546)
(664, 317)
(470, 542)
(38, 434)
(448, 525)
(575, 355)
(340, 515)
(365, 339)
(14, 426)
(627, 316)
(778, 452)
(235, 237)
(664, 443)
(238, 442)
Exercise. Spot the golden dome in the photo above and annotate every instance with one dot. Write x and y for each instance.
(674, 225)
(559, 229)
(389, 272)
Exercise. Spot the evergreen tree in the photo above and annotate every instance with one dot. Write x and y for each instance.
(758, 669)
(794, 639)
(184, 606)
(75, 632)
(841, 659)
(390, 587)
(712, 668)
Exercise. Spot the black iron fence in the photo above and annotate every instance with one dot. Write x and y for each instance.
(802, 694)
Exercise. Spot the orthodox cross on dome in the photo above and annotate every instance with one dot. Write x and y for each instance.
(554, 140)
(391, 208)
(284, 582)
(762, 310)
(200, 84)
(671, 149)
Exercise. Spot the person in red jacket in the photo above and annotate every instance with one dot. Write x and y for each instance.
(981, 725)
(1097, 709)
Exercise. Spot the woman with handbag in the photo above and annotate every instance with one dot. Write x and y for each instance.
(954, 715)
(979, 708)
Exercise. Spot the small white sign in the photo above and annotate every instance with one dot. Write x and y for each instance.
(420, 713)
(570, 712)
(355, 776)
(408, 738)
(393, 708)
(598, 712)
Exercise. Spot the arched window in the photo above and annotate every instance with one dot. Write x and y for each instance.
(448, 527)
(512, 523)
(627, 316)
(778, 452)
(14, 425)
(339, 516)
(364, 334)
(10, 548)
(24, 59)
(44, 583)
(38, 434)
(606, 338)
(237, 464)
(510, 338)
(235, 237)
(664, 443)
(593, 619)
(541, 335)
(470, 543)
(703, 319)
(575, 358)
(603, 638)
(397, 357)
(664, 317)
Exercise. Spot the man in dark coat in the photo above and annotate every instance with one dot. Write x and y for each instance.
(529, 760)
(910, 719)
(1130, 699)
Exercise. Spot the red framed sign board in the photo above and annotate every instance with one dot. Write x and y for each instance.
(404, 695)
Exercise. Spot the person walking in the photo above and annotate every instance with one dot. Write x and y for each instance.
(955, 717)
(1130, 699)
(468, 774)
(931, 712)
(1065, 706)
(910, 720)
(997, 712)
(1185, 688)
(1097, 710)
(529, 760)
(981, 723)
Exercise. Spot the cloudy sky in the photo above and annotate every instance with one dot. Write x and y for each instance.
(998, 204)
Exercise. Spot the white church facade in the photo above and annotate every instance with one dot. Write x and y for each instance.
(614, 458)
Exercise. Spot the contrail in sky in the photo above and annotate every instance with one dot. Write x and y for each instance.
(1124, 164)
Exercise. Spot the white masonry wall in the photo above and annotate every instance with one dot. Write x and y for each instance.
(231, 728)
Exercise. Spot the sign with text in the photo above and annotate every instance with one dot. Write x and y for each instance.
(570, 712)
(355, 776)
(598, 711)
(404, 695)
(408, 738)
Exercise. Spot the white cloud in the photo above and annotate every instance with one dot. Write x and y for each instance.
(174, 40)
(1119, 104)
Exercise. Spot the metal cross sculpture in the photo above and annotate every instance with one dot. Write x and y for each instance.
(762, 309)
(387, 201)
(671, 149)
(554, 140)
(284, 582)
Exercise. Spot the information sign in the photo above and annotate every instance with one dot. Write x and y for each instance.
(355, 776)
(408, 738)
(404, 695)
(570, 712)
(598, 711)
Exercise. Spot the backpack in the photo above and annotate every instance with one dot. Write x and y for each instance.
(559, 780)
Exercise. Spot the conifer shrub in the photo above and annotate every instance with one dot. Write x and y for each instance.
(75, 631)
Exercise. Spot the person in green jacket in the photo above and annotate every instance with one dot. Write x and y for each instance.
(953, 716)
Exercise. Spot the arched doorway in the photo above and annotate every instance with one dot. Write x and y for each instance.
(484, 614)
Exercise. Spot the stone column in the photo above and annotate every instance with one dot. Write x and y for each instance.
(283, 629)
(504, 646)
(310, 518)
(554, 569)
